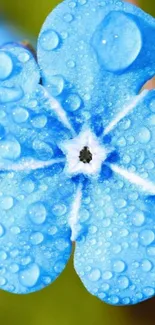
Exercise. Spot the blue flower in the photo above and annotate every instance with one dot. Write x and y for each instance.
(77, 153)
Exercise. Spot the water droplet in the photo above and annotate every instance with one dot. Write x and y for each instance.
(71, 64)
(20, 115)
(59, 266)
(39, 121)
(146, 265)
(146, 237)
(94, 275)
(59, 209)
(10, 148)
(151, 251)
(6, 202)
(2, 231)
(14, 268)
(15, 230)
(117, 47)
(6, 65)
(56, 86)
(52, 230)
(149, 292)
(3, 255)
(138, 218)
(124, 232)
(119, 266)
(28, 186)
(117, 249)
(37, 238)
(73, 103)
(93, 229)
(8, 95)
(144, 135)
(114, 300)
(105, 287)
(123, 282)
(24, 57)
(106, 222)
(2, 281)
(107, 275)
(82, 2)
(72, 4)
(68, 18)
(126, 301)
(29, 276)
(49, 40)
(37, 213)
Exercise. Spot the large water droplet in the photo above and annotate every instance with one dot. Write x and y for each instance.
(10, 148)
(39, 121)
(2, 281)
(68, 18)
(117, 47)
(6, 65)
(144, 135)
(119, 266)
(148, 291)
(37, 213)
(49, 40)
(146, 265)
(123, 282)
(59, 209)
(29, 276)
(94, 275)
(37, 238)
(146, 237)
(8, 95)
(20, 115)
(6, 202)
(73, 102)
(138, 218)
(56, 85)
(107, 275)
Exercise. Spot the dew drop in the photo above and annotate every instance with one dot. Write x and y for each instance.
(28, 186)
(114, 300)
(59, 209)
(119, 266)
(57, 84)
(82, 2)
(8, 95)
(15, 230)
(23, 57)
(123, 282)
(146, 265)
(10, 148)
(6, 65)
(146, 237)
(37, 213)
(39, 121)
(14, 268)
(20, 115)
(117, 47)
(2, 281)
(107, 275)
(73, 103)
(6, 202)
(29, 276)
(68, 18)
(71, 64)
(144, 135)
(36, 238)
(94, 275)
(148, 291)
(49, 40)
(59, 266)
(138, 218)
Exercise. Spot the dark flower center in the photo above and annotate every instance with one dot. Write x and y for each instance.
(85, 155)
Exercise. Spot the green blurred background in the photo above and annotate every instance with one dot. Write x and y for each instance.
(65, 302)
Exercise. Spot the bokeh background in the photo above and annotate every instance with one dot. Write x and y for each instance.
(65, 302)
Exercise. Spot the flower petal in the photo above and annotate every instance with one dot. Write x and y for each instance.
(115, 256)
(93, 71)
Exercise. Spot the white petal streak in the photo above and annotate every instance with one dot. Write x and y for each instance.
(28, 164)
(125, 111)
(60, 112)
(145, 185)
(74, 215)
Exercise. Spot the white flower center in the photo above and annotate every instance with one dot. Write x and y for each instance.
(84, 154)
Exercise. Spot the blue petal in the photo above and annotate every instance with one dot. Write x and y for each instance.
(94, 70)
(115, 258)
(35, 196)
